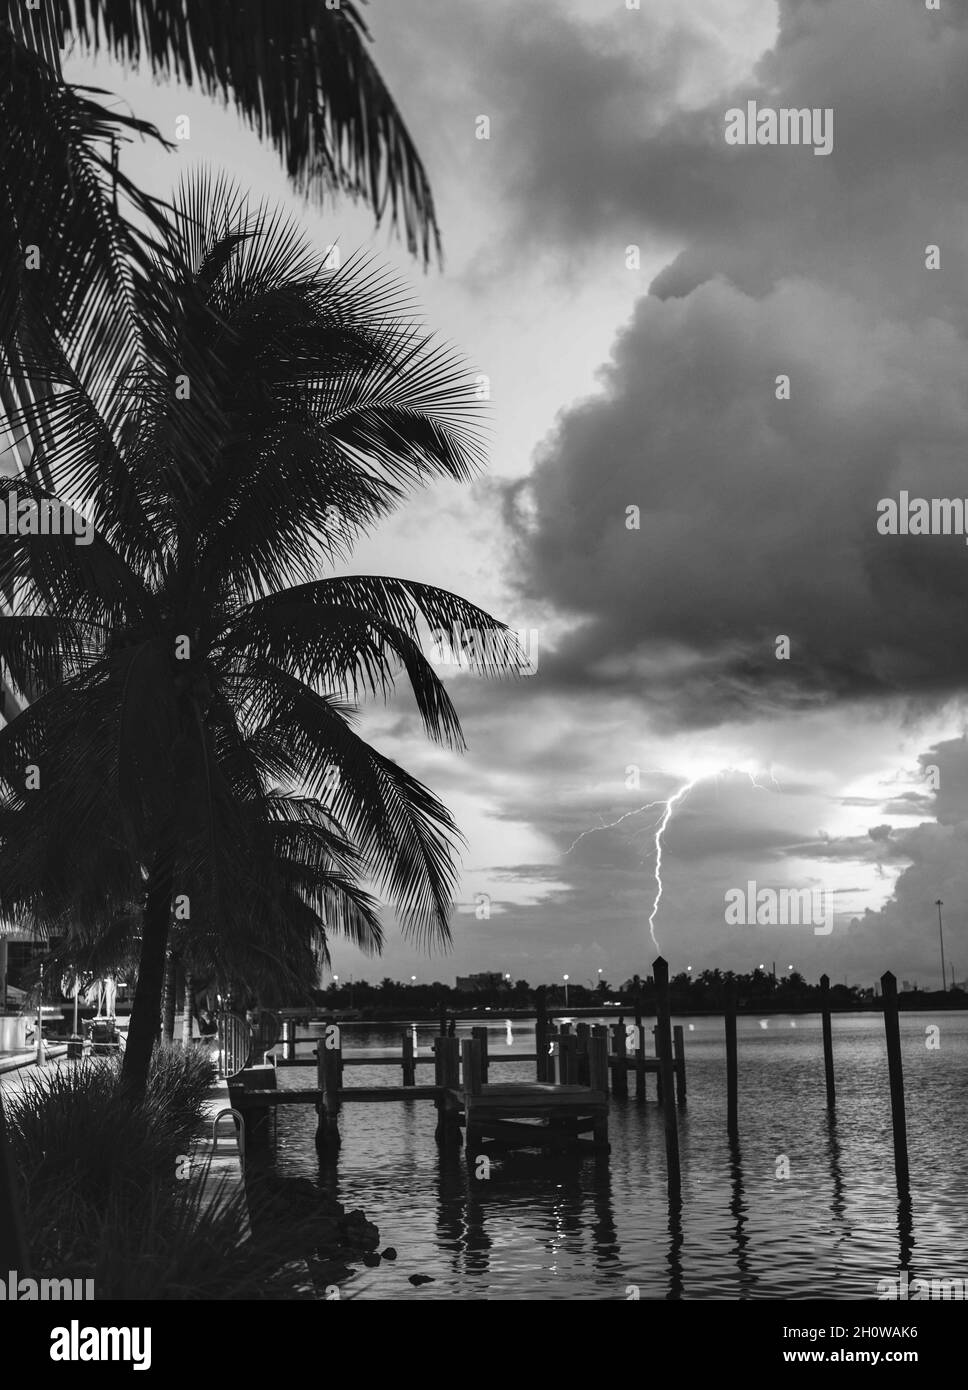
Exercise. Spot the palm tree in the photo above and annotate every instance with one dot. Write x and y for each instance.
(195, 679)
(299, 73)
(78, 237)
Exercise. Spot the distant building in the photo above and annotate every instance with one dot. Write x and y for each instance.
(481, 984)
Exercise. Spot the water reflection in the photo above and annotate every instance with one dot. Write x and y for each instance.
(738, 1209)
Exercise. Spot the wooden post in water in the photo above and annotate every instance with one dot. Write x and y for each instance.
(600, 1030)
(443, 1021)
(620, 1077)
(732, 1103)
(471, 1068)
(660, 973)
(447, 1073)
(893, 1033)
(582, 1035)
(568, 1055)
(658, 1075)
(639, 1045)
(328, 1073)
(679, 1051)
(828, 1046)
(541, 1034)
(598, 1081)
(470, 1051)
(481, 1035)
(409, 1065)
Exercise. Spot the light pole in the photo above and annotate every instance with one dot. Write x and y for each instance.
(565, 978)
(944, 974)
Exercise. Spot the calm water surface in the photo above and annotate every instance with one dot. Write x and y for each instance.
(573, 1229)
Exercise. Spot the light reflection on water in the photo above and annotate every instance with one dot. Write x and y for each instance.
(574, 1228)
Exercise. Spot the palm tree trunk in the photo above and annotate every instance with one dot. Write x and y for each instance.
(146, 1012)
(189, 1009)
(168, 1006)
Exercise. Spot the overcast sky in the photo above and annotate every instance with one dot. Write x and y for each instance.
(647, 379)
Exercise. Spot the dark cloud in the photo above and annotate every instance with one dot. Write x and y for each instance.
(757, 514)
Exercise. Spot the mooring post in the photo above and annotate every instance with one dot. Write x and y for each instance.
(447, 1074)
(732, 1106)
(600, 1030)
(658, 1075)
(481, 1035)
(541, 1034)
(328, 1073)
(598, 1081)
(568, 1064)
(620, 1077)
(639, 1045)
(893, 1033)
(583, 1033)
(443, 1021)
(663, 1011)
(409, 1065)
(679, 1050)
(828, 1046)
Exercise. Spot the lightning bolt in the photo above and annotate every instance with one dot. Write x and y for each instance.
(661, 824)
(664, 820)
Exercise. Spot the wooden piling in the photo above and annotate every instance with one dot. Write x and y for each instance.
(600, 1030)
(893, 1035)
(679, 1054)
(447, 1073)
(470, 1051)
(471, 1069)
(328, 1075)
(660, 974)
(658, 1075)
(583, 1034)
(620, 1077)
(541, 1034)
(568, 1058)
(732, 1101)
(481, 1035)
(639, 1044)
(598, 1081)
(409, 1065)
(828, 1046)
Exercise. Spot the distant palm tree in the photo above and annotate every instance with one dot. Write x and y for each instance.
(194, 679)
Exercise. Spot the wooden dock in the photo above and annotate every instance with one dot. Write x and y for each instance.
(565, 1107)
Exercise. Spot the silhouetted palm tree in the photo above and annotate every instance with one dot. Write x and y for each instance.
(189, 661)
(77, 237)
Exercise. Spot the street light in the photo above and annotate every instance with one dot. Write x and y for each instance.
(565, 978)
(944, 975)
